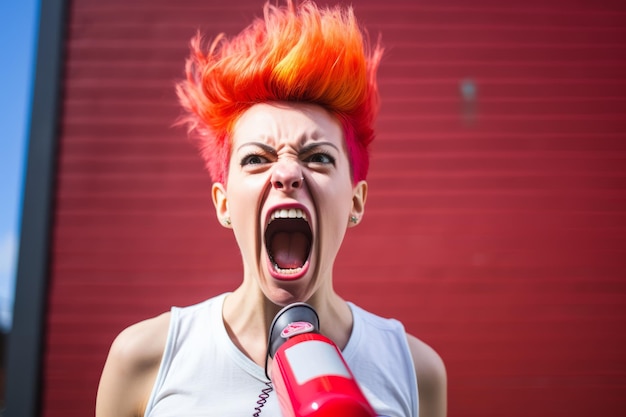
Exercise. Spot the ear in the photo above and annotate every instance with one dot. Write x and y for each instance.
(220, 201)
(359, 196)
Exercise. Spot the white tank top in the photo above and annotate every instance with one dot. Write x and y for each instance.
(203, 373)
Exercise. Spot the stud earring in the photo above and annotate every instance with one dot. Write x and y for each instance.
(227, 221)
(354, 219)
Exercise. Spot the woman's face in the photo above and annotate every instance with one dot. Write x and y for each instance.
(289, 197)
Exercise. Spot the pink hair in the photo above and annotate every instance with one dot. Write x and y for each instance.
(300, 54)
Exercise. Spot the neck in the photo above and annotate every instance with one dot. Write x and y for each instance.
(248, 315)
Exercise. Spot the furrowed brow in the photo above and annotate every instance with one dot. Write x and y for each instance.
(265, 147)
(316, 145)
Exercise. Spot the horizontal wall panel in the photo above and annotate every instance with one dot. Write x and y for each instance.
(495, 226)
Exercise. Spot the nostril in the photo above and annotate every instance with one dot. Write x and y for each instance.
(298, 183)
(287, 184)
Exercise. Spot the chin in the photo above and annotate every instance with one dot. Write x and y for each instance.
(285, 292)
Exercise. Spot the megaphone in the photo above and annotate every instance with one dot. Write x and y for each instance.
(309, 374)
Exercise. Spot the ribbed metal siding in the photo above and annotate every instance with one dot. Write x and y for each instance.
(496, 221)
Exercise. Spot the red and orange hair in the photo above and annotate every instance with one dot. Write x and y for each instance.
(294, 53)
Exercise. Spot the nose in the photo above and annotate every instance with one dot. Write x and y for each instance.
(287, 176)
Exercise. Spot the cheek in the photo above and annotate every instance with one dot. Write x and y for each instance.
(244, 200)
(335, 206)
(242, 208)
(333, 224)
(240, 202)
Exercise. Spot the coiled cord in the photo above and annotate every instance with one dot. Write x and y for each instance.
(263, 396)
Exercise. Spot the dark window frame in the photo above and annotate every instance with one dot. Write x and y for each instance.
(26, 339)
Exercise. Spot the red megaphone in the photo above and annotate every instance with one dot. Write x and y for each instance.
(308, 371)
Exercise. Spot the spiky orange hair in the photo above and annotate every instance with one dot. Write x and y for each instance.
(294, 53)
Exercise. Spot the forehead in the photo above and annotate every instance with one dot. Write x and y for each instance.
(287, 123)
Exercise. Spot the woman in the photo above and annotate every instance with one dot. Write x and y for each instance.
(283, 113)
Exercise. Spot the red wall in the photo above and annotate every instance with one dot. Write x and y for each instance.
(496, 222)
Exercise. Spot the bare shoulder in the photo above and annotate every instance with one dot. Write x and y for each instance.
(431, 378)
(142, 344)
(131, 367)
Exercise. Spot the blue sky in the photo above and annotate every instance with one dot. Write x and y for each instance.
(18, 29)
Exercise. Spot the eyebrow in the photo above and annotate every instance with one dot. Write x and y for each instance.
(305, 149)
(261, 145)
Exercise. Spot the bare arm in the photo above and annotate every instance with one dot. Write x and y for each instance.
(131, 368)
(431, 379)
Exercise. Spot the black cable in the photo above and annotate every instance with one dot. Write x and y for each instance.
(263, 396)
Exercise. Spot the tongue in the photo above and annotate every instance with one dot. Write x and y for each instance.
(289, 250)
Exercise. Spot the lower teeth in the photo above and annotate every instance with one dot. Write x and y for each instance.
(290, 271)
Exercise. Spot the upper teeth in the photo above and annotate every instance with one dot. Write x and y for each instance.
(292, 213)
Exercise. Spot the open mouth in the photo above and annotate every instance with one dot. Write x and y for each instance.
(288, 240)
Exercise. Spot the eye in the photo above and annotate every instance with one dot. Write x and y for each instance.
(321, 158)
(253, 159)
